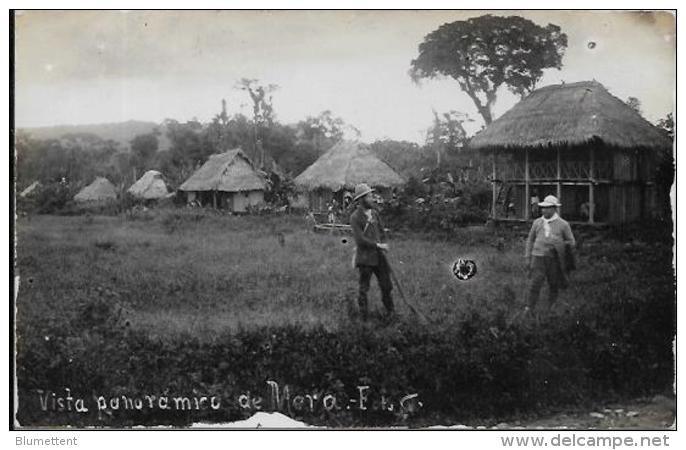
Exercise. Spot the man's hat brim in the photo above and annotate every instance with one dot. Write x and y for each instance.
(367, 192)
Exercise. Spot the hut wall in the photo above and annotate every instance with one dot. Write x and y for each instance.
(240, 201)
(651, 206)
(626, 202)
(255, 197)
(574, 164)
(646, 165)
(625, 165)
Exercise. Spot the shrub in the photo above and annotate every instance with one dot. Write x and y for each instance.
(427, 208)
(52, 197)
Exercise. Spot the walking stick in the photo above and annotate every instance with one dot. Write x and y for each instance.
(414, 310)
(402, 294)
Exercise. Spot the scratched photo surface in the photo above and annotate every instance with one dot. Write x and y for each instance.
(344, 219)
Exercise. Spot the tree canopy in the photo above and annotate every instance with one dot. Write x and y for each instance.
(484, 53)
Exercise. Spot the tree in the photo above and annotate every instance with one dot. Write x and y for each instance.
(321, 131)
(665, 169)
(187, 152)
(405, 157)
(447, 133)
(263, 111)
(667, 125)
(218, 130)
(635, 104)
(76, 158)
(486, 52)
(143, 150)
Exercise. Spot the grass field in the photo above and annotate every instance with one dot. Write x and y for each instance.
(175, 274)
(223, 273)
(178, 276)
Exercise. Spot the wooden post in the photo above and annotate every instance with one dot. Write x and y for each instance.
(591, 196)
(559, 177)
(493, 175)
(527, 194)
(214, 199)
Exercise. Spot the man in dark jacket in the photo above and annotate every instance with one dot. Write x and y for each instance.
(370, 240)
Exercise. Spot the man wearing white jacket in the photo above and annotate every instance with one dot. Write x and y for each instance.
(549, 233)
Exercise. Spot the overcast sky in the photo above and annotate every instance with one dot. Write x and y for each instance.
(82, 67)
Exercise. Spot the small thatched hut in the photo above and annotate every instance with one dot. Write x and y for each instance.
(100, 190)
(580, 143)
(345, 165)
(228, 181)
(150, 186)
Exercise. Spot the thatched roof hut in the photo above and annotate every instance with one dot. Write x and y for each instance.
(99, 190)
(226, 180)
(150, 186)
(345, 165)
(580, 143)
(231, 171)
(569, 114)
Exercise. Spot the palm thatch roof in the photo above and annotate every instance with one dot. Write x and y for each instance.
(231, 171)
(99, 190)
(570, 114)
(150, 186)
(345, 165)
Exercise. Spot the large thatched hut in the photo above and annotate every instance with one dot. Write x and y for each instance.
(227, 181)
(149, 187)
(580, 143)
(345, 165)
(101, 190)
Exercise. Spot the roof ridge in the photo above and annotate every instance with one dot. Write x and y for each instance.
(576, 84)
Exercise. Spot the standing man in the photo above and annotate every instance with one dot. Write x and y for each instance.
(549, 241)
(370, 240)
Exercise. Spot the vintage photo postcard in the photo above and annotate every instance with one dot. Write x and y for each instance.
(344, 219)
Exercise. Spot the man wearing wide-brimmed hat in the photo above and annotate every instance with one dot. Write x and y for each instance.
(549, 241)
(370, 240)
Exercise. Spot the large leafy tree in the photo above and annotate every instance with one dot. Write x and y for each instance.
(484, 53)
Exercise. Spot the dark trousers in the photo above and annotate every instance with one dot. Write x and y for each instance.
(383, 276)
(544, 268)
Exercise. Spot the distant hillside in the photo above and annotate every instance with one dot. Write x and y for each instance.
(121, 132)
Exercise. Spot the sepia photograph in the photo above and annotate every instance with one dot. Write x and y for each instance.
(343, 220)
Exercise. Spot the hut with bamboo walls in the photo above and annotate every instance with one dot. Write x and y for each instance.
(580, 143)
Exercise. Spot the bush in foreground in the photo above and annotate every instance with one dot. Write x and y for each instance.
(492, 363)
